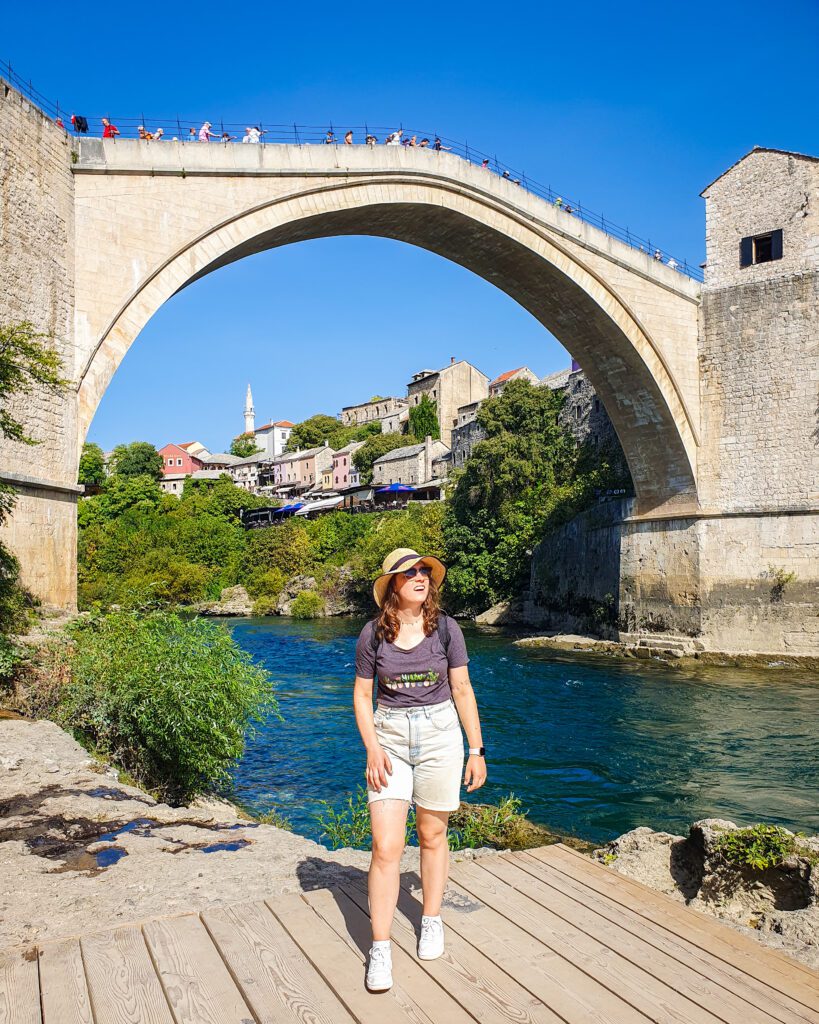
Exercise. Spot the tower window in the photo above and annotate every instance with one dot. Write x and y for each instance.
(760, 248)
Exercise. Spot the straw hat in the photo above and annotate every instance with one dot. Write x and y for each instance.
(398, 561)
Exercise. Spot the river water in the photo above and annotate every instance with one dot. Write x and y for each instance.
(593, 747)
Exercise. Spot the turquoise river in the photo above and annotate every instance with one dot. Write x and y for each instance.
(593, 747)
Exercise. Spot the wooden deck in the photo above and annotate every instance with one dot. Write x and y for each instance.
(542, 936)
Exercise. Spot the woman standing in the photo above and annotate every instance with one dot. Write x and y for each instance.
(414, 742)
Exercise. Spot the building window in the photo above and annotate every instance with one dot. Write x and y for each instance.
(760, 248)
(179, 462)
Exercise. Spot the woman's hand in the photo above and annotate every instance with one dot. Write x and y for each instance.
(379, 767)
(475, 774)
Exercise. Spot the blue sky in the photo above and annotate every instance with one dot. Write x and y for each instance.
(632, 108)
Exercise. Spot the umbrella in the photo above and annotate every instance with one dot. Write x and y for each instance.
(395, 489)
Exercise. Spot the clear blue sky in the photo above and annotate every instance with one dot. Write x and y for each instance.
(632, 108)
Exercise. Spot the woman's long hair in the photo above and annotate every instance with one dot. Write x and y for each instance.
(387, 623)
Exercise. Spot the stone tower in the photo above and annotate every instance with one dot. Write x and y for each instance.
(250, 413)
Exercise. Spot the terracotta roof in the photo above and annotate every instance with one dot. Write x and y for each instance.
(506, 376)
(283, 423)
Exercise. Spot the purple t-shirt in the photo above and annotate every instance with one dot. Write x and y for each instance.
(417, 676)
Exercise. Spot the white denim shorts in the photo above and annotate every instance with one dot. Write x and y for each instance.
(426, 748)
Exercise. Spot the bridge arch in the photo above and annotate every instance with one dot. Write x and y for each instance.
(625, 325)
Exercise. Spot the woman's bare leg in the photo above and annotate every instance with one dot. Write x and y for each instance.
(431, 827)
(389, 823)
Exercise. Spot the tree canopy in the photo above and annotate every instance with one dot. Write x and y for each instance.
(92, 465)
(139, 458)
(244, 446)
(313, 432)
(423, 419)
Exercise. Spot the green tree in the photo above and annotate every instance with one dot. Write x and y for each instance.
(121, 494)
(376, 446)
(26, 362)
(423, 419)
(244, 446)
(92, 465)
(312, 432)
(139, 458)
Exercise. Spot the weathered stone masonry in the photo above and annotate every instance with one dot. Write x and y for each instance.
(37, 284)
(714, 401)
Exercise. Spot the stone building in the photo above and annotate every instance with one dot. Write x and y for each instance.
(246, 472)
(466, 434)
(374, 411)
(521, 373)
(272, 437)
(414, 465)
(449, 388)
(583, 414)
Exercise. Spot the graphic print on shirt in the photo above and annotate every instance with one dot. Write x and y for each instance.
(408, 680)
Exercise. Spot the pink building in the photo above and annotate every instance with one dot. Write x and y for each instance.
(177, 459)
(344, 472)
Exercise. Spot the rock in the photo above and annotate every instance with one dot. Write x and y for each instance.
(232, 601)
(10, 764)
(291, 590)
(504, 613)
(658, 859)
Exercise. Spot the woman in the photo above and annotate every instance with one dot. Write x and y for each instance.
(414, 742)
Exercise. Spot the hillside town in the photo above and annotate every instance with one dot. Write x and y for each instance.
(308, 482)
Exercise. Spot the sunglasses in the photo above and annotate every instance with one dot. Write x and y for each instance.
(424, 570)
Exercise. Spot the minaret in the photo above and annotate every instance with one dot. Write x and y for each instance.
(250, 413)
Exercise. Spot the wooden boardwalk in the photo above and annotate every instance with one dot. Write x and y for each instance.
(543, 936)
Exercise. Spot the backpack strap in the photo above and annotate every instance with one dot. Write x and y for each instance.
(443, 634)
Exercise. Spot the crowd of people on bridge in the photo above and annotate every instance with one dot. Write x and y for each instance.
(253, 136)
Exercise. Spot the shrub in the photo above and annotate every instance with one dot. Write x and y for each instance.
(760, 846)
(350, 827)
(307, 605)
(501, 826)
(169, 700)
(266, 583)
(265, 606)
(10, 658)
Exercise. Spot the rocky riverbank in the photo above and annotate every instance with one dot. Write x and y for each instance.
(682, 652)
(79, 850)
(777, 903)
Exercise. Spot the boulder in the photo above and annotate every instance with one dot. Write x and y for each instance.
(232, 601)
(661, 860)
(504, 613)
(291, 590)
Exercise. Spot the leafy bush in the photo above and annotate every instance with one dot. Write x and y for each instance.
(350, 827)
(760, 846)
(266, 583)
(501, 826)
(169, 700)
(307, 605)
(265, 606)
(10, 658)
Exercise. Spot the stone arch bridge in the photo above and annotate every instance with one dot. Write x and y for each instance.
(115, 228)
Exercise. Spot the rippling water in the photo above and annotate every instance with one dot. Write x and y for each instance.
(592, 747)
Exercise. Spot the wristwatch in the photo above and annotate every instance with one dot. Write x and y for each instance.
(478, 751)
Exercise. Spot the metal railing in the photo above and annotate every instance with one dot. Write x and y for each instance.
(224, 133)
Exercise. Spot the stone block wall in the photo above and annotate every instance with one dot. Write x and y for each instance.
(37, 284)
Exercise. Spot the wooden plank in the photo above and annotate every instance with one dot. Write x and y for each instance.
(677, 974)
(275, 978)
(635, 985)
(122, 982)
(340, 962)
(573, 995)
(197, 984)
(64, 992)
(774, 970)
(472, 979)
(773, 1005)
(19, 988)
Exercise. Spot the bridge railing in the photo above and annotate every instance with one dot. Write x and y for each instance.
(183, 130)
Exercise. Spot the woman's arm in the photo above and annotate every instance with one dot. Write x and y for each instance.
(464, 697)
(379, 765)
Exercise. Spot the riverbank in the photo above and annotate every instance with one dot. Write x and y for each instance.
(681, 652)
(79, 849)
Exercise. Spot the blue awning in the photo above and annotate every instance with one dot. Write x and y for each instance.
(395, 489)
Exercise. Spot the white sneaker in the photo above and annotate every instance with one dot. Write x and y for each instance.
(379, 971)
(431, 944)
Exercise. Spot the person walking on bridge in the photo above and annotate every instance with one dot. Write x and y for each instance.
(417, 655)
